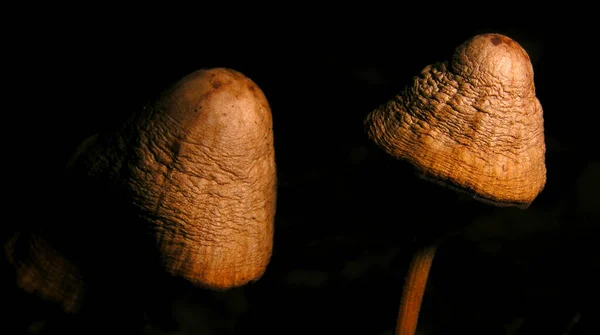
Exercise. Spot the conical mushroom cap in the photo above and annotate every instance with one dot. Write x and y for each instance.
(472, 123)
(198, 168)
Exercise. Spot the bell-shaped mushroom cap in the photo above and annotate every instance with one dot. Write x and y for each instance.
(473, 123)
(198, 168)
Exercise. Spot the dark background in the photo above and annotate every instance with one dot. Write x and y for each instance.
(348, 219)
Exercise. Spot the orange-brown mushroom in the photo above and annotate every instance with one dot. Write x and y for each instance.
(189, 181)
(474, 124)
(198, 167)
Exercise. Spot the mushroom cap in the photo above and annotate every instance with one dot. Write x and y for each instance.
(472, 123)
(221, 196)
(198, 168)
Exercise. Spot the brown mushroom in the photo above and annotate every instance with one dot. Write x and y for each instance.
(41, 269)
(198, 166)
(194, 173)
(473, 124)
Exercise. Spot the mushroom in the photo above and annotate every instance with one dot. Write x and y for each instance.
(42, 269)
(199, 168)
(190, 181)
(473, 124)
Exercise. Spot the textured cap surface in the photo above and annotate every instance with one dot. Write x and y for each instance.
(473, 123)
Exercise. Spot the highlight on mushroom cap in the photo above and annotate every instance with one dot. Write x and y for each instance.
(474, 124)
(213, 211)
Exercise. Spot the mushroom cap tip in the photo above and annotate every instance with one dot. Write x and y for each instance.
(494, 54)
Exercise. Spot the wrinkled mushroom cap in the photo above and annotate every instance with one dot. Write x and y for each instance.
(473, 123)
(198, 168)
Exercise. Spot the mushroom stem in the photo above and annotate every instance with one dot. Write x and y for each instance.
(414, 289)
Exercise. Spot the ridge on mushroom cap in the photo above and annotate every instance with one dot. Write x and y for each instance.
(474, 124)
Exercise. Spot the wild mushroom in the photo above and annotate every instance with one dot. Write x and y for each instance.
(191, 179)
(473, 124)
(41, 269)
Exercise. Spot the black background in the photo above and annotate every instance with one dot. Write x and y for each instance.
(347, 218)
